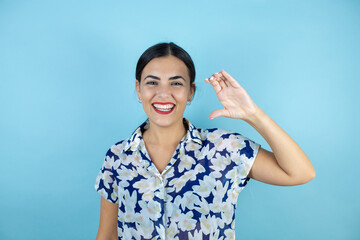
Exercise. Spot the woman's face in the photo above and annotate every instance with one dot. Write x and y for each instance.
(164, 90)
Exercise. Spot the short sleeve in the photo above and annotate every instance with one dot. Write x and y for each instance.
(246, 155)
(106, 184)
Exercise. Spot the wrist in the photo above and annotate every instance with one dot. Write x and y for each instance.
(256, 117)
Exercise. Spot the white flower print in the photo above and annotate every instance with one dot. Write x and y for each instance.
(218, 205)
(109, 162)
(207, 224)
(236, 142)
(98, 178)
(107, 178)
(196, 236)
(126, 233)
(133, 160)
(213, 136)
(205, 186)
(145, 229)
(204, 207)
(232, 174)
(191, 146)
(173, 211)
(227, 213)
(123, 184)
(216, 234)
(169, 174)
(245, 169)
(230, 234)
(172, 230)
(140, 219)
(179, 183)
(186, 222)
(129, 202)
(206, 151)
(194, 197)
(219, 162)
(167, 196)
(160, 229)
(189, 200)
(215, 174)
(150, 209)
(117, 148)
(199, 168)
(219, 191)
(114, 194)
(126, 173)
(103, 193)
(147, 184)
(186, 163)
(230, 144)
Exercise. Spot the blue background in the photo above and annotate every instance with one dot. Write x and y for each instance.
(67, 72)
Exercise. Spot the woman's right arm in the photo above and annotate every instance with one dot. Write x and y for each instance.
(108, 221)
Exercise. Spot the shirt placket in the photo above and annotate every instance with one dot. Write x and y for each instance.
(175, 157)
(147, 163)
(162, 230)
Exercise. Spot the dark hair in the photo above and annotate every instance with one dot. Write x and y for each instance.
(164, 50)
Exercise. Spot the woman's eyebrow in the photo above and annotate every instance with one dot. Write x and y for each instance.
(151, 76)
(170, 78)
(176, 77)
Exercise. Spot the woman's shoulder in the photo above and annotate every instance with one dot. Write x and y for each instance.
(218, 134)
(118, 147)
(226, 139)
(128, 143)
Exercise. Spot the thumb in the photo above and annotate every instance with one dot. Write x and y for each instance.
(218, 113)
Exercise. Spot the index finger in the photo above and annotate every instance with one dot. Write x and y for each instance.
(231, 80)
(214, 83)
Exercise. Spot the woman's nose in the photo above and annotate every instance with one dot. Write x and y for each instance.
(164, 91)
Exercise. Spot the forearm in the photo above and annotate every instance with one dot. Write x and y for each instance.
(288, 154)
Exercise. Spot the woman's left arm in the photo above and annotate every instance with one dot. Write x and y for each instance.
(287, 165)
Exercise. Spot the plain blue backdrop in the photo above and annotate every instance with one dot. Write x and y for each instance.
(67, 72)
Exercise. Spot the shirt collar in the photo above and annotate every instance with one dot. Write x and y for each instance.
(193, 134)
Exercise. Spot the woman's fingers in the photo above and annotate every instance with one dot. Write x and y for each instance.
(222, 80)
(219, 113)
(221, 76)
(217, 80)
(216, 85)
(230, 79)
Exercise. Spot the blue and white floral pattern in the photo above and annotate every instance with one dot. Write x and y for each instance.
(193, 198)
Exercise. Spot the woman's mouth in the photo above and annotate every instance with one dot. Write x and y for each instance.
(163, 108)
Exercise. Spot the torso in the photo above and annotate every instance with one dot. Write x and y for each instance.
(160, 156)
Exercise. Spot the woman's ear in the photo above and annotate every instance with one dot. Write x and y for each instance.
(192, 91)
(137, 87)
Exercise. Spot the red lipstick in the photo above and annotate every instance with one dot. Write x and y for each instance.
(163, 111)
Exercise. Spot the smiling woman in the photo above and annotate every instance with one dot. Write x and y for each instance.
(171, 180)
(165, 83)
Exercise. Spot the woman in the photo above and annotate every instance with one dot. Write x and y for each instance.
(171, 180)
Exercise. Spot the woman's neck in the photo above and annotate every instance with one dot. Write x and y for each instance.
(165, 136)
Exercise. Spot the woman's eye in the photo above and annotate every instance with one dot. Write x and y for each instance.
(177, 83)
(151, 83)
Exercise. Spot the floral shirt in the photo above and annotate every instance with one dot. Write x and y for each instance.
(193, 198)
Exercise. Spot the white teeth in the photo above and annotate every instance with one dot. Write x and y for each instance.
(164, 110)
(161, 107)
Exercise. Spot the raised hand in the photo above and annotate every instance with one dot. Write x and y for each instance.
(236, 101)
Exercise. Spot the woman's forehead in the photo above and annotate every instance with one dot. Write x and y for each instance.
(166, 66)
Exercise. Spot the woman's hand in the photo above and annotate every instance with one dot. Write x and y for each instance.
(237, 103)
